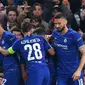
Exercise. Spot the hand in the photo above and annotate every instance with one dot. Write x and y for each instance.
(1, 48)
(76, 75)
(47, 37)
(25, 76)
(83, 13)
(19, 9)
(80, 32)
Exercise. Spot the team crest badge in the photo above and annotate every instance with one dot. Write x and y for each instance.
(55, 38)
(65, 40)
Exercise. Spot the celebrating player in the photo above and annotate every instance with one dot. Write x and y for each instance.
(33, 48)
(68, 43)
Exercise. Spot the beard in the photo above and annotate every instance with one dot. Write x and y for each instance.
(60, 29)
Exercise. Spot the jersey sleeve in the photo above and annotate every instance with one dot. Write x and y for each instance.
(9, 37)
(46, 45)
(78, 39)
(15, 47)
(53, 33)
(52, 40)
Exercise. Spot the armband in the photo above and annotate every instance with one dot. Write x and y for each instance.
(11, 51)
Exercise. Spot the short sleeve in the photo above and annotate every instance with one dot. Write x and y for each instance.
(46, 45)
(9, 37)
(78, 39)
(16, 46)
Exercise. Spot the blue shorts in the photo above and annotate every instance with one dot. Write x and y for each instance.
(38, 75)
(67, 80)
(11, 77)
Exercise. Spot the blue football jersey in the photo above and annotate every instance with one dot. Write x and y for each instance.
(10, 61)
(67, 50)
(1, 56)
(33, 49)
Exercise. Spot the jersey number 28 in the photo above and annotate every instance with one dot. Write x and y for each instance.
(33, 48)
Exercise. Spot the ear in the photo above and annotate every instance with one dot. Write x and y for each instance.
(65, 21)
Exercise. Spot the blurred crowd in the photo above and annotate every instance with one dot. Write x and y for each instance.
(40, 13)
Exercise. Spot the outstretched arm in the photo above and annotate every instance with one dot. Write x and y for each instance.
(6, 52)
(3, 51)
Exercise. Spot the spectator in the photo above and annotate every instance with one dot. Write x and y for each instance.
(11, 3)
(37, 25)
(55, 10)
(65, 10)
(75, 5)
(47, 10)
(12, 14)
(79, 18)
(2, 12)
(38, 11)
(66, 2)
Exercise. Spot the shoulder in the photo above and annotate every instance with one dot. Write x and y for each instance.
(54, 32)
(73, 32)
(37, 36)
(17, 42)
(44, 22)
(40, 37)
(75, 35)
(8, 34)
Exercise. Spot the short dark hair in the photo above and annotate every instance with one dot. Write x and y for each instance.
(11, 9)
(37, 4)
(40, 30)
(36, 18)
(15, 28)
(60, 15)
(26, 27)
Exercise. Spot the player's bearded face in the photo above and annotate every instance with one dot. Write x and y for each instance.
(60, 24)
(59, 29)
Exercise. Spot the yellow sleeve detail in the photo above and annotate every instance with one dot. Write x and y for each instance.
(11, 51)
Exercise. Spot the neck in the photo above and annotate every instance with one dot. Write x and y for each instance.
(64, 31)
(27, 33)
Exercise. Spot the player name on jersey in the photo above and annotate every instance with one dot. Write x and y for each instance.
(30, 41)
